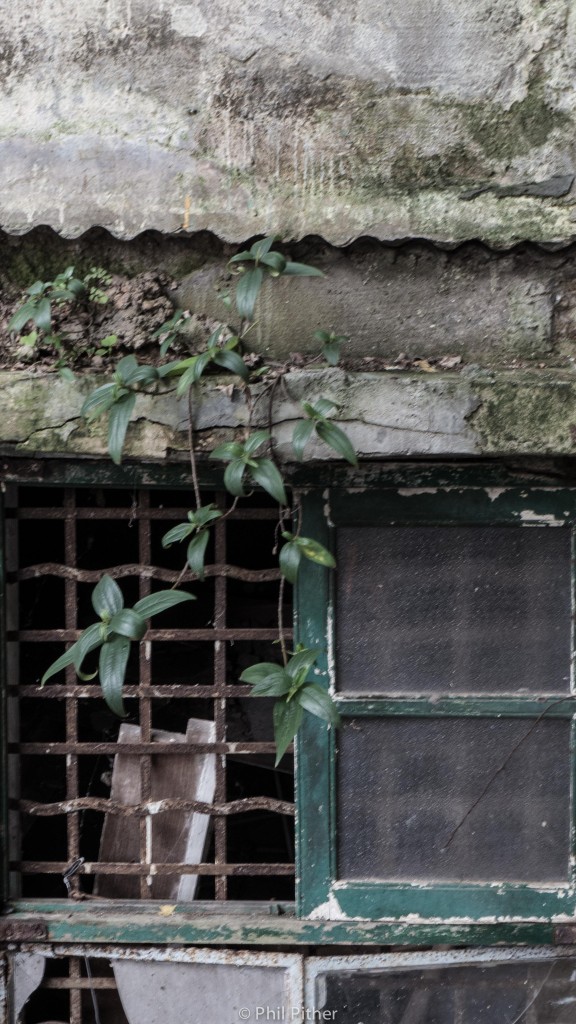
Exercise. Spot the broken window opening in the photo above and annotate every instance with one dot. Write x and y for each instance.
(184, 702)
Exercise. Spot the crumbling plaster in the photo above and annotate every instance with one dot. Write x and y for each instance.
(308, 116)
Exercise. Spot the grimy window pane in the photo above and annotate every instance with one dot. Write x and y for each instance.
(463, 609)
(405, 784)
(537, 993)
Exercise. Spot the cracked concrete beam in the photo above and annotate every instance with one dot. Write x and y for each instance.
(386, 415)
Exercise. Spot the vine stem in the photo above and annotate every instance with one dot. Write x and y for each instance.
(193, 466)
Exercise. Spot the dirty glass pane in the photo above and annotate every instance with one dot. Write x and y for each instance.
(405, 784)
(534, 993)
(464, 609)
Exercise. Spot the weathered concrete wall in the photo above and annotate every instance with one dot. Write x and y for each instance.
(414, 299)
(309, 116)
(494, 310)
(386, 415)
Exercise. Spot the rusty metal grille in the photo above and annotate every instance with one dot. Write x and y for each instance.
(64, 741)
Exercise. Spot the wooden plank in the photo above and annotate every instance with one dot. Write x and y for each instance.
(175, 837)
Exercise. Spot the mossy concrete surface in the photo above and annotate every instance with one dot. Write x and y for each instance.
(386, 415)
(307, 116)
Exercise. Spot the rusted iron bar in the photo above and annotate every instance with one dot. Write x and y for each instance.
(57, 691)
(79, 983)
(154, 807)
(52, 867)
(149, 572)
(168, 514)
(143, 748)
(212, 634)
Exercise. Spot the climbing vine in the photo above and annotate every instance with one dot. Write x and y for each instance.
(249, 461)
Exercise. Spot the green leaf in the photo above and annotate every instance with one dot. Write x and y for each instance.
(67, 374)
(260, 248)
(192, 375)
(99, 401)
(168, 326)
(242, 257)
(143, 375)
(107, 598)
(21, 317)
(263, 670)
(155, 603)
(37, 288)
(177, 534)
(267, 475)
(168, 340)
(119, 418)
(331, 352)
(318, 702)
(275, 261)
(42, 315)
(234, 477)
(302, 434)
(196, 552)
(255, 440)
(287, 720)
(62, 662)
(112, 670)
(247, 290)
(204, 515)
(337, 439)
(268, 680)
(290, 557)
(228, 451)
(302, 270)
(128, 623)
(91, 639)
(232, 361)
(324, 407)
(316, 552)
(76, 287)
(126, 367)
(301, 662)
(274, 686)
(322, 337)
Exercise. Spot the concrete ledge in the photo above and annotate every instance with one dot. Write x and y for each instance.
(387, 415)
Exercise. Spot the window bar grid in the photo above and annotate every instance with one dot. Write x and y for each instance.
(73, 507)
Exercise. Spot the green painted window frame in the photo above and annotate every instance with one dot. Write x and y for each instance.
(284, 925)
(321, 894)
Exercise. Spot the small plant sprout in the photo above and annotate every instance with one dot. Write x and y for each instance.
(256, 263)
(331, 343)
(318, 422)
(297, 548)
(113, 634)
(118, 399)
(243, 462)
(197, 528)
(294, 695)
(219, 354)
(169, 331)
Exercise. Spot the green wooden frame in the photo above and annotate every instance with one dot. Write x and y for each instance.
(322, 894)
(275, 924)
